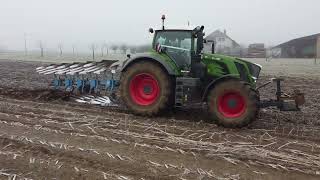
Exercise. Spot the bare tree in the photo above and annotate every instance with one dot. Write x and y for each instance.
(41, 46)
(93, 47)
(114, 48)
(105, 48)
(143, 48)
(124, 48)
(102, 49)
(60, 46)
(133, 49)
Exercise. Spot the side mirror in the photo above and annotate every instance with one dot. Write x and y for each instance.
(128, 56)
(151, 30)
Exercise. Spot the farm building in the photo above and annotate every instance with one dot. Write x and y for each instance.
(223, 44)
(256, 51)
(304, 47)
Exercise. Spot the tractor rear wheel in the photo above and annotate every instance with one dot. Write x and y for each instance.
(233, 103)
(145, 88)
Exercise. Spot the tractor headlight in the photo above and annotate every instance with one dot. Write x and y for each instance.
(254, 79)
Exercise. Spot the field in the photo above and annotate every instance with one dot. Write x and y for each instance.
(43, 136)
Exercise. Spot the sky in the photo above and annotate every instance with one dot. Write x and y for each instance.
(84, 22)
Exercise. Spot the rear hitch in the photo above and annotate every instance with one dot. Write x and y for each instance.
(283, 101)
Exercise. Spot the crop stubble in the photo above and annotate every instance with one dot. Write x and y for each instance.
(44, 136)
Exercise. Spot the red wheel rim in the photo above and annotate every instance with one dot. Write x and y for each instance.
(231, 104)
(144, 89)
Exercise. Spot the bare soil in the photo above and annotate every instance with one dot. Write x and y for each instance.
(44, 136)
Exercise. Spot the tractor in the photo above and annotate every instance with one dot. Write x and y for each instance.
(176, 73)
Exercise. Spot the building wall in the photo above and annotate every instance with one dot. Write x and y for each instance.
(299, 49)
(223, 42)
(275, 52)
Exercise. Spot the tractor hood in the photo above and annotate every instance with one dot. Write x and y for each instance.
(253, 68)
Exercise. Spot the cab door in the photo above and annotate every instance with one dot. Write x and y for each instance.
(177, 45)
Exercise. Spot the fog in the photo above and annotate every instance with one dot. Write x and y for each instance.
(83, 22)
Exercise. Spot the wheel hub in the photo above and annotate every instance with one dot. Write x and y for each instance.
(144, 89)
(231, 104)
(147, 89)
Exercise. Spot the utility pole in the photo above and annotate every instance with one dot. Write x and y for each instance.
(93, 47)
(60, 48)
(315, 51)
(73, 50)
(102, 49)
(41, 46)
(25, 44)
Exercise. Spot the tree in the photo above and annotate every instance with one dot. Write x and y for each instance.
(93, 47)
(143, 48)
(114, 48)
(124, 48)
(106, 46)
(103, 47)
(107, 49)
(133, 49)
(60, 48)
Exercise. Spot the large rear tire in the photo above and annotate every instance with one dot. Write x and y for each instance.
(233, 103)
(145, 88)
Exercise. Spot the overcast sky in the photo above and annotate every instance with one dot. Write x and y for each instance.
(83, 22)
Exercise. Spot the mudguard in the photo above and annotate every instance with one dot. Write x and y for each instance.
(215, 81)
(171, 69)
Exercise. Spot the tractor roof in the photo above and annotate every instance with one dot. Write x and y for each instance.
(178, 28)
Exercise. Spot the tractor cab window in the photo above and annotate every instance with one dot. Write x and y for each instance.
(178, 46)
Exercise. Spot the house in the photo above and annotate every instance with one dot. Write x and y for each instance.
(223, 44)
(304, 47)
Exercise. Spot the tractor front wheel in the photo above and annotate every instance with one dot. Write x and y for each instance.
(145, 88)
(233, 103)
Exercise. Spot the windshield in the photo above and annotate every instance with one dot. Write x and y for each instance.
(174, 39)
(178, 46)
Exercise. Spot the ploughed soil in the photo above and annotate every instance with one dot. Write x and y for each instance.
(45, 136)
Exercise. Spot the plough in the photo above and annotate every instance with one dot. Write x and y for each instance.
(95, 81)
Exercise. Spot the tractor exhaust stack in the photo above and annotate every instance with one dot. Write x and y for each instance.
(163, 18)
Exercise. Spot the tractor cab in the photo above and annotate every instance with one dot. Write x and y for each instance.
(177, 44)
(183, 46)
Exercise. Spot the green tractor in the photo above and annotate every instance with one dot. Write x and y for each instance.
(176, 73)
